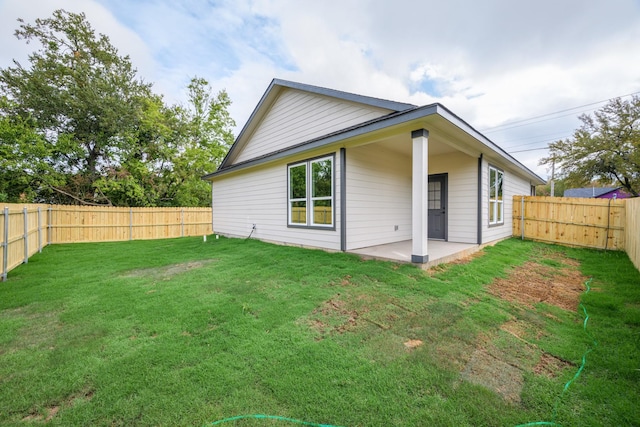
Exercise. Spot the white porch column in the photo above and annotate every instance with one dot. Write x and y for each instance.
(419, 193)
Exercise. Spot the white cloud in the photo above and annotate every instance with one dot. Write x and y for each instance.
(490, 62)
(127, 41)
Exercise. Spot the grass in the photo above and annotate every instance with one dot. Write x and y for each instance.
(182, 332)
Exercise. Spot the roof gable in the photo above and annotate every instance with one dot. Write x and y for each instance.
(290, 113)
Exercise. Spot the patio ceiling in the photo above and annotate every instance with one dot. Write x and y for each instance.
(402, 145)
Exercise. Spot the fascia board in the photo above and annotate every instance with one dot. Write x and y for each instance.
(266, 98)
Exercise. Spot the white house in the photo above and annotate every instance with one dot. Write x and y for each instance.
(329, 169)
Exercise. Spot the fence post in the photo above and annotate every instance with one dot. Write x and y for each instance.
(39, 230)
(182, 222)
(25, 214)
(130, 223)
(49, 225)
(522, 216)
(5, 245)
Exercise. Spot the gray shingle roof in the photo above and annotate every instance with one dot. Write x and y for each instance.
(588, 191)
(367, 100)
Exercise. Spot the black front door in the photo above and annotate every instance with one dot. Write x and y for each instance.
(437, 201)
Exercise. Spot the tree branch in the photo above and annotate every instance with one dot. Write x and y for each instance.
(84, 202)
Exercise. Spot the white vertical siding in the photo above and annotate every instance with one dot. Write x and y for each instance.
(462, 194)
(378, 196)
(298, 116)
(259, 196)
(513, 185)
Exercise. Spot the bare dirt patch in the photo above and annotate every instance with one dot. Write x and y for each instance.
(553, 279)
(550, 366)
(467, 259)
(168, 271)
(439, 268)
(532, 283)
(49, 413)
(335, 316)
(411, 344)
(348, 312)
(515, 328)
(345, 281)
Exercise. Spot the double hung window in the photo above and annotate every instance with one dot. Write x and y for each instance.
(496, 202)
(310, 193)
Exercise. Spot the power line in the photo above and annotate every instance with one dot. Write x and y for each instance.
(530, 149)
(519, 123)
(540, 141)
(554, 134)
(534, 122)
(516, 123)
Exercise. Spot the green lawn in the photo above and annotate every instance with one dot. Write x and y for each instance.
(183, 332)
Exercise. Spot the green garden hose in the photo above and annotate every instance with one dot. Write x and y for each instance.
(575, 377)
(270, 417)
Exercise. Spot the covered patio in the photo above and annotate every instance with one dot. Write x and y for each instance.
(439, 252)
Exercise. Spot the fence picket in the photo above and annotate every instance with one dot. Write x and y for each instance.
(632, 231)
(23, 226)
(25, 215)
(592, 223)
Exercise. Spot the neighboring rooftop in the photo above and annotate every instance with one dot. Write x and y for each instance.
(589, 192)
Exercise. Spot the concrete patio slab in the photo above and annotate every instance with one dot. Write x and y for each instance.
(439, 252)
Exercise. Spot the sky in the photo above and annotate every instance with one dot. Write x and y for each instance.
(519, 72)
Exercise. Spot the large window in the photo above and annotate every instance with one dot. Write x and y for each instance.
(496, 203)
(310, 195)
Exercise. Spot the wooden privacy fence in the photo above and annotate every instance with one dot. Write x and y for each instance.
(632, 230)
(26, 229)
(591, 223)
(321, 215)
(22, 234)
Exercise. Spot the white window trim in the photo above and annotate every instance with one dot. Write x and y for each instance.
(310, 200)
(498, 206)
(290, 201)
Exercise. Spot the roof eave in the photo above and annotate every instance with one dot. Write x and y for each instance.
(371, 126)
(394, 119)
(453, 118)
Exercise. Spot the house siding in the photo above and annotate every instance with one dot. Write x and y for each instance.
(259, 196)
(298, 116)
(378, 196)
(378, 192)
(462, 189)
(513, 185)
(616, 194)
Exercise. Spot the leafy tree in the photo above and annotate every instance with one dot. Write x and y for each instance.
(78, 126)
(175, 147)
(140, 177)
(605, 147)
(21, 149)
(558, 190)
(80, 95)
(205, 138)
